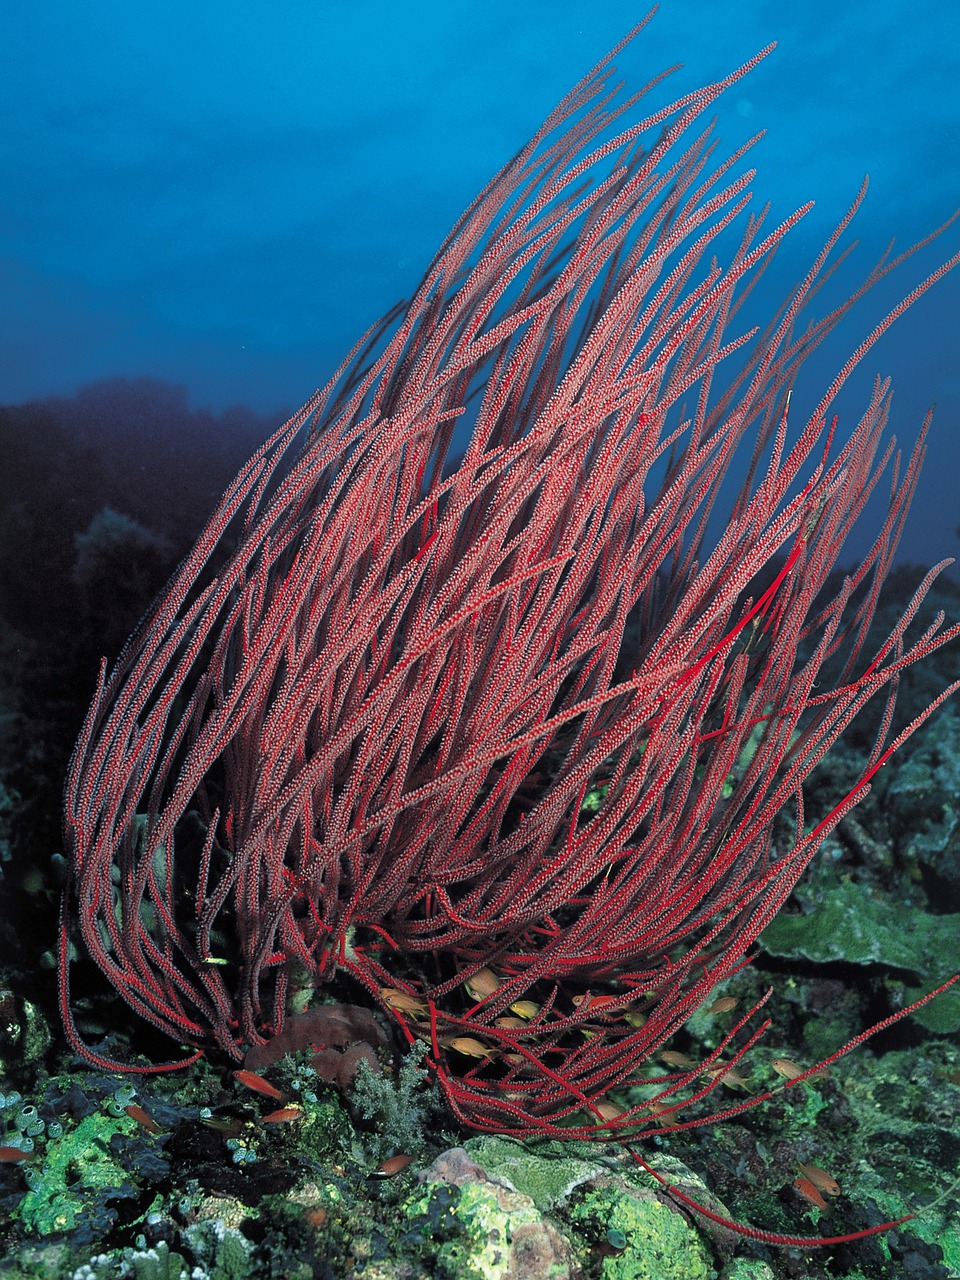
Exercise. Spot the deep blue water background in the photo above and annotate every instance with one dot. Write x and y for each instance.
(226, 195)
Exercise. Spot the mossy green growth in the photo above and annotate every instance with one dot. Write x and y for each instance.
(802, 1108)
(325, 1131)
(658, 1243)
(157, 1263)
(74, 1165)
(487, 1218)
(26, 1035)
(747, 1269)
(547, 1175)
(400, 1106)
(930, 1225)
(949, 1242)
(225, 1253)
(859, 925)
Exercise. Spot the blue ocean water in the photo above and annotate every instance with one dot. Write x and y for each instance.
(225, 196)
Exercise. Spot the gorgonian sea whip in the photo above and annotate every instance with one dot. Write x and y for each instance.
(354, 740)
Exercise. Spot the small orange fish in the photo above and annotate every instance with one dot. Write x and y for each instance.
(728, 1076)
(787, 1068)
(472, 1048)
(526, 1009)
(8, 1155)
(674, 1059)
(661, 1114)
(282, 1116)
(142, 1118)
(805, 1188)
(791, 1070)
(250, 1080)
(482, 984)
(820, 1179)
(589, 1001)
(723, 1004)
(403, 1002)
(601, 1111)
(393, 1165)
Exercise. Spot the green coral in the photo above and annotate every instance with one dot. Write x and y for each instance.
(157, 1263)
(747, 1269)
(225, 1251)
(398, 1106)
(492, 1223)
(657, 1241)
(616, 1214)
(860, 925)
(547, 1173)
(80, 1162)
(220, 1252)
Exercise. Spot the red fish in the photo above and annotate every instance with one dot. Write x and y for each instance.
(804, 1187)
(282, 1116)
(394, 1165)
(142, 1118)
(822, 1180)
(251, 1080)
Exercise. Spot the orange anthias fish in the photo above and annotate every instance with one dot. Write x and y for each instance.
(143, 1118)
(593, 1002)
(393, 1165)
(403, 1002)
(258, 1084)
(674, 1059)
(282, 1116)
(822, 1180)
(482, 984)
(723, 1004)
(791, 1070)
(525, 1009)
(805, 1188)
(471, 1047)
(603, 1111)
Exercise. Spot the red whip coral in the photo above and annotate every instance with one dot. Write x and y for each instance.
(511, 746)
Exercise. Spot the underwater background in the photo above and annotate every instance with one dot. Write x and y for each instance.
(202, 208)
(225, 196)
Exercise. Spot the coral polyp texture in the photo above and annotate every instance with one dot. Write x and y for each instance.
(511, 743)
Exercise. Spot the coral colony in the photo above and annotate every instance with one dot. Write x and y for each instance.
(512, 745)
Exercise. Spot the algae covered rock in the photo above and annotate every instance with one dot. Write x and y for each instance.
(857, 924)
(547, 1174)
(642, 1237)
(557, 1210)
(505, 1235)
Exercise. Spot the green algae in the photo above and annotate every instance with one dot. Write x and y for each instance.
(746, 1269)
(546, 1178)
(84, 1160)
(658, 1242)
(860, 925)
